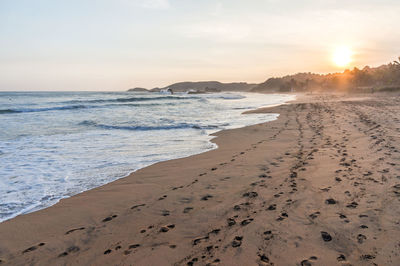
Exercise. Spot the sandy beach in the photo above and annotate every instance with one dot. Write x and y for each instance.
(318, 186)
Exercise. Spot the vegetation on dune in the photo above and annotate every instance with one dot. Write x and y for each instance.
(382, 78)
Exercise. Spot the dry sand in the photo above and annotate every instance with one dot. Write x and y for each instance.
(318, 186)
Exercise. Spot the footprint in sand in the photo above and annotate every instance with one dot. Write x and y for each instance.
(341, 257)
(246, 221)
(33, 248)
(73, 230)
(326, 236)
(308, 261)
(237, 242)
(268, 235)
(330, 201)
(163, 197)
(187, 209)
(352, 205)
(206, 197)
(137, 206)
(231, 222)
(71, 249)
(314, 215)
(165, 229)
(282, 216)
(251, 194)
(109, 218)
(361, 238)
(264, 258)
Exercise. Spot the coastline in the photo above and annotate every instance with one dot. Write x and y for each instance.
(211, 136)
(48, 177)
(238, 204)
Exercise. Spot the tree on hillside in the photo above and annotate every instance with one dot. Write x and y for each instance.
(385, 76)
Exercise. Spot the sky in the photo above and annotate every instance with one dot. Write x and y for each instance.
(121, 44)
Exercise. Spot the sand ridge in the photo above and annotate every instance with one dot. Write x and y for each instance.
(318, 186)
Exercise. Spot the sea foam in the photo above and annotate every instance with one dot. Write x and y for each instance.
(55, 145)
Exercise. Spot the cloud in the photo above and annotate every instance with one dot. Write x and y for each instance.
(155, 4)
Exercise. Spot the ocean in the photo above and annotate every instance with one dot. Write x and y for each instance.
(56, 144)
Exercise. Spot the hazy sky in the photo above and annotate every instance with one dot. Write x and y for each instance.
(118, 44)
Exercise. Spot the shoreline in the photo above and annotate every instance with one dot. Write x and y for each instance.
(137, 161)
(210, 136)
(259, 198)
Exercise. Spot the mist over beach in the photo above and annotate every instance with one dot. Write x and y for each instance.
(171, 132)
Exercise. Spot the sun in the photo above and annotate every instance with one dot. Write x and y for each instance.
(342, 56)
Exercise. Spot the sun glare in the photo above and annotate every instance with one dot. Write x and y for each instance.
(342, 56)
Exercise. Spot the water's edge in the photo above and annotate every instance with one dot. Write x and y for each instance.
(212, 137)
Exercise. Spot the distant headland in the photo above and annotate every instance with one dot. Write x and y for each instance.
(385, 78)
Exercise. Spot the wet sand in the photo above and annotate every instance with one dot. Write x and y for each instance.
(318, 186)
